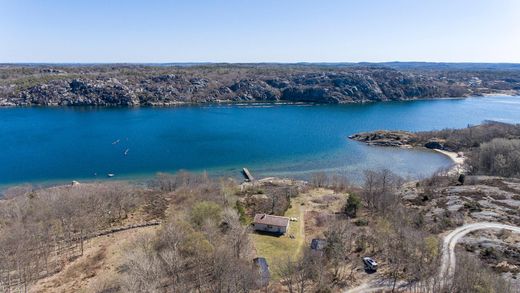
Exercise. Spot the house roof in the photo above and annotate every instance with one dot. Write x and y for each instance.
(271, 220)
(318, 244)
(260, 265)
(261, 262)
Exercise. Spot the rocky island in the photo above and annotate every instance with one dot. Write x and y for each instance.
(395, 138)
(399, 138)
(453, 140)
(173, 84)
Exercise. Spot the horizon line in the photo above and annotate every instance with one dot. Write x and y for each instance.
(260, 62)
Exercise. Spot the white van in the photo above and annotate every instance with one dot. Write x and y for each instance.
(370, 264)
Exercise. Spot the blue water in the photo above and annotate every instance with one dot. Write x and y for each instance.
(61, 144)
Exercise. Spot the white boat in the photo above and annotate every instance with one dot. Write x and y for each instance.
(110, 175)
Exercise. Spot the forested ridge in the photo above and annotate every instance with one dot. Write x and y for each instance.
(167, 85)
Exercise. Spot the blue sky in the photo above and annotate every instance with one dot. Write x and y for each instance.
(259, 30)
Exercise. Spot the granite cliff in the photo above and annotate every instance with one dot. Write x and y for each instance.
(134, 85)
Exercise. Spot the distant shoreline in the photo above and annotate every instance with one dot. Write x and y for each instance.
(258, 104)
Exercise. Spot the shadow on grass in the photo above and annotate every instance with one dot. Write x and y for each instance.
(278, 235)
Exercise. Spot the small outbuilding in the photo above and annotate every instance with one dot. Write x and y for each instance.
(261, 270)
(318, 244)
(270, 223)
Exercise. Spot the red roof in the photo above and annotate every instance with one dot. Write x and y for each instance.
(271, 220)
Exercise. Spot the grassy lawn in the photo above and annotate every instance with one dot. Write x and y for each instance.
(277, 249)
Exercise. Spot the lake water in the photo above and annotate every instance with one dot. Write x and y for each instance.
(62, 144)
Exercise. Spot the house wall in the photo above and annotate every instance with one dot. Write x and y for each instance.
(272, 229)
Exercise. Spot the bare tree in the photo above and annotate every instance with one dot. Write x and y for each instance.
(471, 276)
(339, 244)
(379, 190)
(144, 272)
(319, 179)
(304, 273)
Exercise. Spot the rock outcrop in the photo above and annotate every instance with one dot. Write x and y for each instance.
(386, 138)
(398, 138)
(435, 143)
(132, 85)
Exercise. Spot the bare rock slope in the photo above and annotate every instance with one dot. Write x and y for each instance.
(132, 85)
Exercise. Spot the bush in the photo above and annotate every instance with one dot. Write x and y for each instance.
(361, 222)
(321, 219)
(243, 217)
(473, 206)
(205, 211)
(352, 205)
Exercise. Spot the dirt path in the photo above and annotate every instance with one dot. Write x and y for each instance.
(301, 224)
(448, 262)
(377, 285)
(450, 241)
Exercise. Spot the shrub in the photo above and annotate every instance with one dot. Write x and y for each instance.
(361, 222)
(205, 211)
(352, 205)
(243, 217)
(473, 206)
(321, 219)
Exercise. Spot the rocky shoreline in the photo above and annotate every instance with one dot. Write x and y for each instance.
(398, 138)
(387, 138)
(405, 139)
(139, 85)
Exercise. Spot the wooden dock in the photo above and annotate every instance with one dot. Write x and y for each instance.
(247, 175)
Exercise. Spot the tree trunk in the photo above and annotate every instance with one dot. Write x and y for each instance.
(395, 281)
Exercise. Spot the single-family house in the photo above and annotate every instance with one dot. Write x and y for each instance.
(270, 223)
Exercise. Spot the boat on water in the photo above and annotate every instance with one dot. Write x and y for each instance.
(126, 151)
(110, 175)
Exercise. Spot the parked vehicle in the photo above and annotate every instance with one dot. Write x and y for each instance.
(370, 264)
